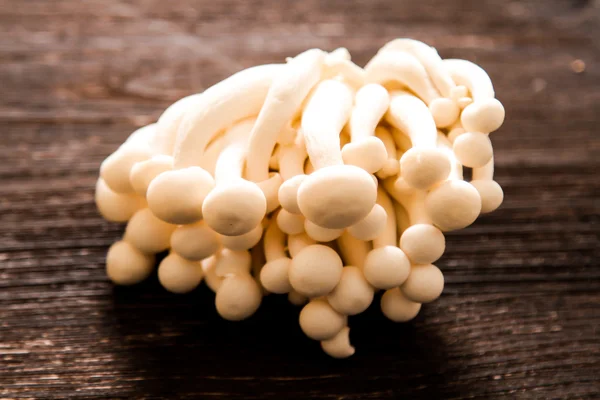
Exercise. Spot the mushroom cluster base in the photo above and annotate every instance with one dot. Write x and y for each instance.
(317, 179)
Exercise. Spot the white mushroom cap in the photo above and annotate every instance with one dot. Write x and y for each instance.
(423, 243)
(454, 204)
(489, 190)
(353, 294)
(368, 153)
(177, 196)
(319, 321)
(298, 242)
(209, 266)
(319, 233)
(148, 233)
(143, 172)
(116, 207)
(444, 111)
(339, 345)
(386, 267)
(233, 262)
(422, 168)
(315, 270)
(291, 224)
(238, 297)
(288, 194)
(424, 284)
(483, 116)
(473, 149)
(274, 276)
(397, 307)
(195, 242)
(178, 275)
(371, 226)
(115, 168)
(337, 197)
(126, 265)
(245, 241)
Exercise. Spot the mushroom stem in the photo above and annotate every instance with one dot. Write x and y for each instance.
(352, 250)
(274, 274)
(235, 206)
(335, 196)
(291, 168)
(365, 150)
(391, 166)
(298, 242)
(490, 191)
(423, 165)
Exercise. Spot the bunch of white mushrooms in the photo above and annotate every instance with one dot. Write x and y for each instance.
(314, 178)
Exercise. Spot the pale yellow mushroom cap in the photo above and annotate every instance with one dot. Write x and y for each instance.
(491, 194)
(315, 270)
(177, 196)
(148, 233)
(274, 276)
(238, 297)
(194, 242)
(234, 209)
(291, 224)
(423, 243)
(144, 172)
(368, 153)
(454, 204)
(116, 207)
(319, 233)
(126, 265)
(288, 194)
(178, 275)
(397, 307)
(445, 112)
(338, 196)
(473, 149)
(371, 226)
(115, 168)
(353, 294)
(339, 346)
(245, 241)
(483, 116)
(424, 284)
(422, 168)
(386, 267)
(319, 321)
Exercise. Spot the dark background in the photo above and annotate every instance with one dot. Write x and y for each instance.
(520, 315)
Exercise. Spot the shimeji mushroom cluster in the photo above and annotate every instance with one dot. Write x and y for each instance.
(314, 178)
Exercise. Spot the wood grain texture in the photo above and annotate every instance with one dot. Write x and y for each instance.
(520, 315)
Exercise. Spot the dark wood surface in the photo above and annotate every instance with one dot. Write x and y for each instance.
(520, 315)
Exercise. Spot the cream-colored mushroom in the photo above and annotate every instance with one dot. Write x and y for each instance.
(391, 166)
(353, 294)
(233, 262)
(270, 189)
(386, 266)
(195, 242)
(115, 169)
(178, 275)
(352, 250)
(423, 165)
(335, 196)
(244, 241)
(116, 207)
(291, 224)
(315, 270)
(298, 242)
(424, 284)
(339, 346)
(148, 233)
(238, 297)
(126, 265)
(177, 196)
(296, 298)
(235, 206)
(291, 168)
(338, 65)
(371, 226)
(274, 276)
(144, 172)
(366, 150)
(489, 190)
(319, 233)
(397, 307)
(209, 266)
(319, 321)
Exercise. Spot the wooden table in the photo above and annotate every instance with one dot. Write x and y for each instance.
(520, 315)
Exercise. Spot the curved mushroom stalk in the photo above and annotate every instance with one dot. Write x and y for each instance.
(115, 169)
(339, 346)
(397, 307)
(421, 242)
(386, 266)
(298, 242)
(391, 166)
(235, 206)
(423, 165)
(353, 293)
(338, 65)
(402, 68)
(353, 251)
(366, 150)
(484, 115)
(270, 188)
(489, 190)
(116, 207)
(335, 196)
(453, 204)
(274, 276)
(178, 275)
